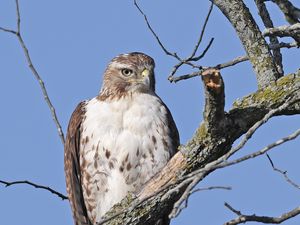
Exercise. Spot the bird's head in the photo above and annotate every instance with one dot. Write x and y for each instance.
(129, 73)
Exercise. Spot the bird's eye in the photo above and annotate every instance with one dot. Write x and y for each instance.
(127, 72)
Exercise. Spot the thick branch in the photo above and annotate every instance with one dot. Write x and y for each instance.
(214, 101)
(265, 16)
(254, 43)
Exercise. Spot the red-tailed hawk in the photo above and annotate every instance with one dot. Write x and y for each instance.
(118, 140)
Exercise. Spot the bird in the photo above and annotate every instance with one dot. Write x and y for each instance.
(118, 140)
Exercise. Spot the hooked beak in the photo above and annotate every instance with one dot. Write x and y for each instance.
(145, 77)
(145, 73)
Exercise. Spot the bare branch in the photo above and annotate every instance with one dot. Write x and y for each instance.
(258, 124)
(284, 173)
(232, 209)
(204, 52)
(265, 16)
(201, 37)
(7, 184)
(211, 188)
(262, 151)
(284, 45)
(177, 209)
(191, 58)
(154, 34)
(233, 62)
(8, 30)
(262, 219)
(283, 31)
(34, 71)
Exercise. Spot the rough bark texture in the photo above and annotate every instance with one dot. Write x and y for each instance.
(204, 148)
(254, 43)
(266, 18)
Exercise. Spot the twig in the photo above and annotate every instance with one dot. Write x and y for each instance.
(284, 173)
(258, 124)
(262, 219)
(211, 188)
(34, 71)
(230, 63)
(7, 184)
(232, 209)
(192, 58)
(204, 52)
(262, 151)
(178, 210)
(154, 34)
(8, 30)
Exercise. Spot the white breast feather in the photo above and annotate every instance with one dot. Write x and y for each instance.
(123, 127)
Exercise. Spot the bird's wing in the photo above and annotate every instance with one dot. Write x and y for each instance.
(72, 167)
(174, 131)
(174, 135)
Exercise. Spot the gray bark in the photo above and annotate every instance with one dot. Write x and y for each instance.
(254, 43)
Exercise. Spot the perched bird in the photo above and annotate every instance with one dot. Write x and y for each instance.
(118, 140)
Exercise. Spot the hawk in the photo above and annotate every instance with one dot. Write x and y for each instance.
(118, 140)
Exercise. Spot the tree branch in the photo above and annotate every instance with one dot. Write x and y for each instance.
(284, 31)
(181, 61)
(34, 71)
(214, 101)
(260, 152)
(292, 13)
(7, 184)
(284, 173)
(262, 219)
(254, 43)
(174, 54)
(265, 16)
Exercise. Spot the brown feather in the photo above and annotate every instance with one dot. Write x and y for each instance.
(72, 168)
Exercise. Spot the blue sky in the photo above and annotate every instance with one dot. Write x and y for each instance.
(70, 43)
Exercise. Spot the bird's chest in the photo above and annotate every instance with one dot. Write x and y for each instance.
(123, 144)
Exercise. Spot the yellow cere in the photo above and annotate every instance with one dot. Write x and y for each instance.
(145, 73)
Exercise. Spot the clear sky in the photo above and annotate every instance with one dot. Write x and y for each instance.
(70, 43)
